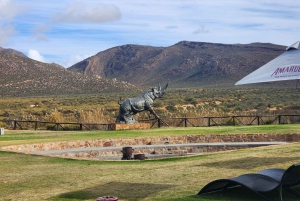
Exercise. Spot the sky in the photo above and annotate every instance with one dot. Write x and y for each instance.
(68, 31)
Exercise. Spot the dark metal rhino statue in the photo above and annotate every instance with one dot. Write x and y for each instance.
(132, 106)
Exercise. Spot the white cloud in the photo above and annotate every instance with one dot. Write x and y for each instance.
(9, 9)
(201, 30)
(34, 54)
(80, 12)
(5, 33)
(39, 32)
(73, 60)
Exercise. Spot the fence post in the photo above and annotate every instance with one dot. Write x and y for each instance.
(35, 125)
(257, 120)
(279, 119)
(185, 122)
(15, 124)
(158, 123)
(80, 126)
(208, 121)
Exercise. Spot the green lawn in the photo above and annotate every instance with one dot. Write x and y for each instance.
(12, 137)
(29, 177)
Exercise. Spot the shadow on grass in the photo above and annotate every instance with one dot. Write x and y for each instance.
(238, 194)
(251, 162)
(124, 191)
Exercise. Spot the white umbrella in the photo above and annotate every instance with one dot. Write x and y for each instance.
(284, 67)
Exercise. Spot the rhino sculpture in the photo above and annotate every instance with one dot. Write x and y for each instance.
(132, 106)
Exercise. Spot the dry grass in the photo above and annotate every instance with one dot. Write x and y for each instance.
(86, 116)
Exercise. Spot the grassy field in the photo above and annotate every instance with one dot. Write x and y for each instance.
(30, 177)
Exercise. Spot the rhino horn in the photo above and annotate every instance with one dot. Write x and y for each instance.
(159, 87)
(165, 87)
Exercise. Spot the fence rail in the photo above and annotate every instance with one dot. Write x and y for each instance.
(225, 120)
(175, 122)
(20, 124)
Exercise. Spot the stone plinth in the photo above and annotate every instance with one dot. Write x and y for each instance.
(130, 126)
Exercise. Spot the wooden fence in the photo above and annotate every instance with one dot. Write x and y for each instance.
(225, 120)
(21, 124)
(174, 122)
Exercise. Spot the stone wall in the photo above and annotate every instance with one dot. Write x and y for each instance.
(178, 151)
(180, 139)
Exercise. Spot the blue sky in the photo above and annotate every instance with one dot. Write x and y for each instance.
(68, 31)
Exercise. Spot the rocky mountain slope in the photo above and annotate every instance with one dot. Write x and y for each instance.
(11, 52)
(185, 64)
(21, 76)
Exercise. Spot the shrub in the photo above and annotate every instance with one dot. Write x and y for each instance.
(171, 108)
(158, 104)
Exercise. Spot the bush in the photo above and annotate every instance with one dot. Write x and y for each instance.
(171, 108)
(3, 125)
(191, 100)
(158, 104)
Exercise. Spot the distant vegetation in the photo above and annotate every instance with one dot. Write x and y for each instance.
(103, 107)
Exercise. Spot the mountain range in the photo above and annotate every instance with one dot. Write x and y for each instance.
(21, 76)
(185, 64)
(128, 67)
(9, 51)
